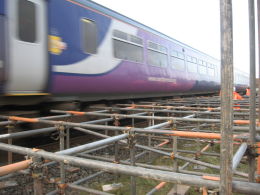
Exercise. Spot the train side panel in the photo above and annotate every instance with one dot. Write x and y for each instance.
(78, 72)
(27, 47)
(96, 53)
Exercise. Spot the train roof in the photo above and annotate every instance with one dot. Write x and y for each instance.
(126, 19)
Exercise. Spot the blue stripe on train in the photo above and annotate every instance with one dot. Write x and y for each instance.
(70, 31)
(2, 7)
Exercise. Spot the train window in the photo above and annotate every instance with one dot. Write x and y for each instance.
(128, 51)
(127, 37)
(210, 65)
(89, 36)
(135, 39)
(157, 47)
(215, 70)
(162, 49)
(156, 58)
(177, 54)
(202, 69)
(177, 64)
(120, 34)
(192, 67)
(192, 64)
(194, 60)
(174, 54)
(177, 60)
(127, 46)
(211, 72)
(152, 45)
(189, 58)
(157, 55)
(181, 55)
(26, 21)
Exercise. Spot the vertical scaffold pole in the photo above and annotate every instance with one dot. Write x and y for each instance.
(226, 149)
(258, 18)
(252, 98)
(10, 141)
(62, 165)
(132, 162)
(175, 165)
(258, 22)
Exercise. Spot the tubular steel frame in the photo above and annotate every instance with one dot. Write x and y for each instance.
(203, 121)
(165, 122)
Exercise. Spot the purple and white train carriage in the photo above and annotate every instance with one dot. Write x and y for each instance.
(59, 50)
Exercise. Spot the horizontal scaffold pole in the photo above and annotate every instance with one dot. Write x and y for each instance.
(238, 186)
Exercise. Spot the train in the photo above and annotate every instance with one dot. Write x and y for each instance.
(78, 50)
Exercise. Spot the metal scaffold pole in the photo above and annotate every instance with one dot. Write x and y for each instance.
(252, 98)
(258, 22)
(226, 148)
(258, 18)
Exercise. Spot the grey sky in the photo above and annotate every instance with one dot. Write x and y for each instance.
(194, 22)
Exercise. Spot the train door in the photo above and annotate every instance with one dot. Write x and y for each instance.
(27, 27)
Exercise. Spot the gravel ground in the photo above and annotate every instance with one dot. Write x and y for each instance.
(24, 182)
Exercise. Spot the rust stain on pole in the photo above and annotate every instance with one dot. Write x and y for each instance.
(258, 163)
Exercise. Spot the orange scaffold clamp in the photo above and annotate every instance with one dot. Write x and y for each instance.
(248, 92)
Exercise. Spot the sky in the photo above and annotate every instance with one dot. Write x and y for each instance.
(193, 22)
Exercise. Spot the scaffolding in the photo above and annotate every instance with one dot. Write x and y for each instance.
(150, 130)
(170, 123)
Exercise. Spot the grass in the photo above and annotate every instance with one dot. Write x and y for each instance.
(145, 185)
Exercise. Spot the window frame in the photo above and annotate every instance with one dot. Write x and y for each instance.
(18, 32)
(128, 42)
(202, 63)
(191, 61)
(212, 67)
(176, 54)
(173, 67)
(206, 68)
(158, 51)
(194, 60)
(82, 36)
(153, 50)
(166, 52)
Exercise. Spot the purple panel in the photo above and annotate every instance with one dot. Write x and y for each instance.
(127, 78)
